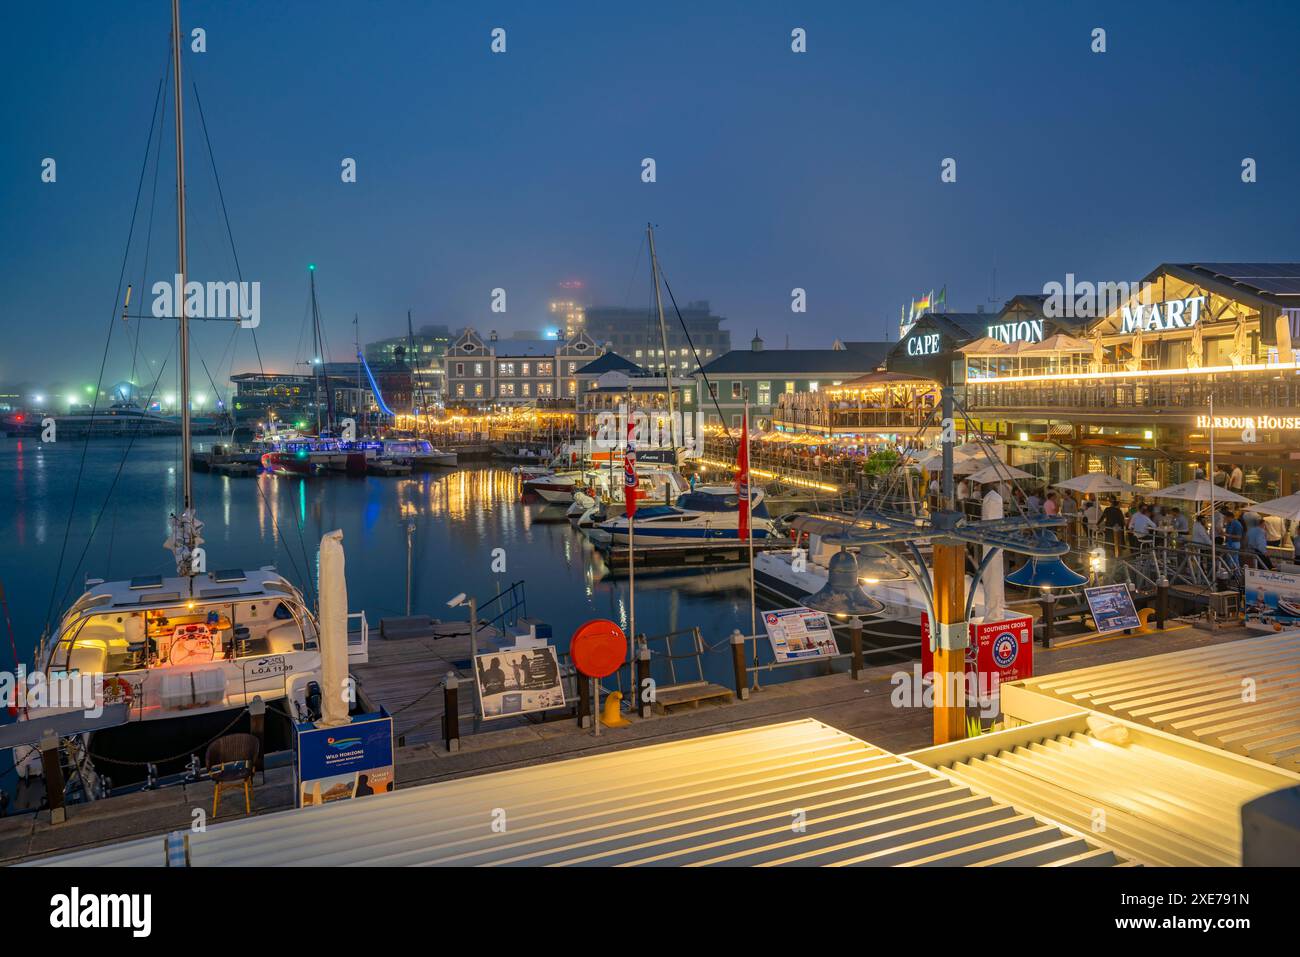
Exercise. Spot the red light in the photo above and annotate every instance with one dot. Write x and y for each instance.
(19, 417)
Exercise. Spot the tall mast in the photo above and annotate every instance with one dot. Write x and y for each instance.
(187, 469)
(663, 339)
(316, 359)
(415, 372)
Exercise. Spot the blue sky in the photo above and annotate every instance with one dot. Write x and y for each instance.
(775, 170)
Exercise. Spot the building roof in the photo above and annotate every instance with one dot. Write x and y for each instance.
(1275, 283)
(611, 362)
(526, 348)
(792, 362)
(873, 349)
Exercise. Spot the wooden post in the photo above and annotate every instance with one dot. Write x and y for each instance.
(257, 725)
(1162, 603)
(738, 664)
(451, 711)
(644, 704)
(855, 640)
(1047, 604)
(584, 698)
(949, 563)
(53, 772)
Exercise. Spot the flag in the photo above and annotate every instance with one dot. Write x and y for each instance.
(629, 470)
(943, 298)
(742, 478)
(922, 305)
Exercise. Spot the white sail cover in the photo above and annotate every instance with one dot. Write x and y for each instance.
(333, 632)
(995, 593)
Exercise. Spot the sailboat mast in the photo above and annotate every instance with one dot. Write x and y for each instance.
(663, 339)
(187, 468)
(315, 346)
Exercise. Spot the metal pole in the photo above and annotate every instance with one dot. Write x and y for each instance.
(663, 338)
(951, 632)
(451, 712)
(410, 541)
(182, 263)
(629, 496)
(642, 677)
(738, 664)
(749, 540)
(1049, 617)
(855, 640)
(1214, 562)
(473, 655)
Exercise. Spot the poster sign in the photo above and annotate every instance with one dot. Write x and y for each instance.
(1112, 608)
(1272, 599)
(800, 633)
(351, 761)
(518, 681)
(1002, 648)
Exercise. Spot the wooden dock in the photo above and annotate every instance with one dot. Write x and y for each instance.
(405, 676)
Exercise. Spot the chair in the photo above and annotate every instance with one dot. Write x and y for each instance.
(233, 759)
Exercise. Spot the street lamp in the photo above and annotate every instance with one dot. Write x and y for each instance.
(842, 595)
(1046, 574)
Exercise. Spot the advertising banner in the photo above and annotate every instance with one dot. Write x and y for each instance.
(1002, 648)
(1272, 599)
(352, 761)
(1112, 608)
(518, 681)
(800, 633)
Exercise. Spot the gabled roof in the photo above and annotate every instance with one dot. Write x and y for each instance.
(611, 362)
(1277, 284)
(871, 349)
(526, 348)
(791, 362)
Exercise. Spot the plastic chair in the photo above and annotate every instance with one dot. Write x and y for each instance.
(233, 759)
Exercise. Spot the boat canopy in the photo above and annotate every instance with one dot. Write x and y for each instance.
(711, 501)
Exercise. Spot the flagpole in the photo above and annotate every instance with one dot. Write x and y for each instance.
(629, 494)
(749, 539)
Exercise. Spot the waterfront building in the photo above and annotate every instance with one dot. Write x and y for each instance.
(634, 333)
(767, 374)
(422, 353)
(1128, 391)
(291, 398)
(541, 372)
(604, 387)
(877, 407)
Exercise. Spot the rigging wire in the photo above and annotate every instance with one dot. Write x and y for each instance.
(103, 362)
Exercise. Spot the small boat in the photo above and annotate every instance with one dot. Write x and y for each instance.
(417, 453)
(1288, 606)
(708, 515)
(387, 467)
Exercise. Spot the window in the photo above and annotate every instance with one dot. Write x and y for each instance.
(460, 368)
(506, 368)
(507, 388)
(572, 367)
(460, 389)
(478, 389)
(713, 390)
(765, 393)
(735, 421)
(545, 388)
(478, 368)
(736, 392)
(812, 386)
(524, 367)
(527, 388)
(789, 388)
(545, 368)
(573, 387)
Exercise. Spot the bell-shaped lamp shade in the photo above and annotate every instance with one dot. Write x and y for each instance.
(877, 565)
(1045, 573)
(843, 593)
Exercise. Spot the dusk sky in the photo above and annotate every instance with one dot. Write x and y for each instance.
(775, 170)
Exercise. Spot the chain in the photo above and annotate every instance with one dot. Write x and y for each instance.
(174, 757)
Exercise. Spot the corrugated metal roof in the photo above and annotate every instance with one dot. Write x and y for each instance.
(1240, 696)
(734, 798)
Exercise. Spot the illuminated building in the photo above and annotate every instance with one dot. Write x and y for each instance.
(539, 372)
(634, 334)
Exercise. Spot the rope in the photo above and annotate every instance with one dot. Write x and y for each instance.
(175, 757)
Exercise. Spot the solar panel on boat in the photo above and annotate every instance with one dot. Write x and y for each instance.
(160, 596)
(229, 575)
(217, 592)
(146, 581)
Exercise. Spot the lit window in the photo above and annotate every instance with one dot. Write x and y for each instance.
(478, 368)
(460, 389)
(789, 388)
(460, 368)
(812, 386)
(735, 390)
(478, 389)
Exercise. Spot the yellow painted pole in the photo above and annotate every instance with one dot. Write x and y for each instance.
(949, 564)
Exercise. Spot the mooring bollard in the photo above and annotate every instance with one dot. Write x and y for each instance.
(644, 705)
(53, 772)
(584, 698)
(1162, 603)
(257, 725)
(855, 641)
(738, 664)
(1049, 618)
(451, 712)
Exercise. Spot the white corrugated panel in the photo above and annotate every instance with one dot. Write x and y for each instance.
(1240, 696)
(738, 798)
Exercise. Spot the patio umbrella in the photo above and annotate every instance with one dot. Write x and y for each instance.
(1054, 345)
(1197, 351)
(1098, 483)
(1239, 344)
(334, 631)
(1199, 490)
(1135, 363)
(1285, 351)
(998, 473)
(1098, 351)
(1288, 507)
(986, 346)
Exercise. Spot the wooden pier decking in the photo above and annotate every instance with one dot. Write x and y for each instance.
(405, 676)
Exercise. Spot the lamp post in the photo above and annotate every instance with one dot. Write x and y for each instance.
(842, 596)
(1047, 574)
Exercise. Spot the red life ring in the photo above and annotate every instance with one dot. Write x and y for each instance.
(121, 689)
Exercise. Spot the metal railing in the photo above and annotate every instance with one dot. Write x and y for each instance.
(1232, 392)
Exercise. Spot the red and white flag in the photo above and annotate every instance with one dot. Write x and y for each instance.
(742, 478)
(629, 470)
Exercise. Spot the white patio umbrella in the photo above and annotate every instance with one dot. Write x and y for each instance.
(1285, 351)
(333, 632)
(1098, 483)
(1288, 507)
(1199, 490)
(1196, 351)
(999, 473)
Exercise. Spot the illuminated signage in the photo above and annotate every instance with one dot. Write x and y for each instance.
(1163, 316)
(1267, 423)
(1028, 331)
(925, 345)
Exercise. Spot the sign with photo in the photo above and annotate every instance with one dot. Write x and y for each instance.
(1272, 599)
(1112, 608)
(518, 681)
(800, 633)
(351, 761)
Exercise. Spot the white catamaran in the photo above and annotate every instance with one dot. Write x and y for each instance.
(181, 656)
